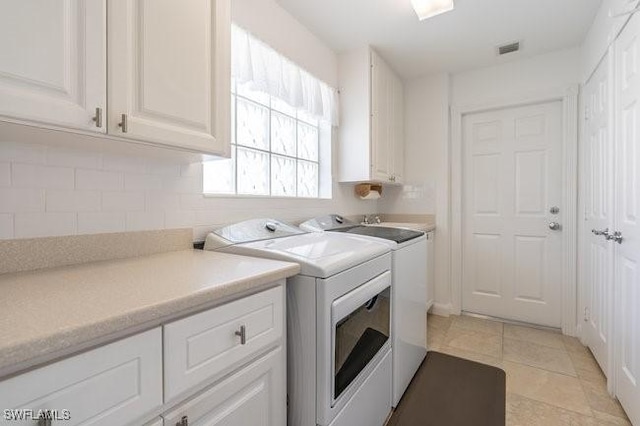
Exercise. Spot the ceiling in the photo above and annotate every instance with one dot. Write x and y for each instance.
(463, 39)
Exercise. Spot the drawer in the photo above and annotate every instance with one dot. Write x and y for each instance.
(112, 385)
(202, 346)
(255, 395)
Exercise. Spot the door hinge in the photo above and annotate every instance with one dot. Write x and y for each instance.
(586, 313)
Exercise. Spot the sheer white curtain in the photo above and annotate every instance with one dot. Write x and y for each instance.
(263, 69)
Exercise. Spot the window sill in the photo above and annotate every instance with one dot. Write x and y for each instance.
(263, 197)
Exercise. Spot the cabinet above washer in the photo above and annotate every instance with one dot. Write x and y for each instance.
(371, 133)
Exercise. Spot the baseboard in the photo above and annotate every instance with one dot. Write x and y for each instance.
(441, 309)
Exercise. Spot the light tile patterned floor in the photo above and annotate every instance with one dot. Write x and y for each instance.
(551, 379)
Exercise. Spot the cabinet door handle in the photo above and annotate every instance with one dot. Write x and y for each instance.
(98, 117)
(184, 421)
(124, 123)
(243, 334)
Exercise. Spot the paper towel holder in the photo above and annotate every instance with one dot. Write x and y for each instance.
(369, 191)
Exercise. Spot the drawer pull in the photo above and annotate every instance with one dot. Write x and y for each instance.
(184, 421)
(243, 334)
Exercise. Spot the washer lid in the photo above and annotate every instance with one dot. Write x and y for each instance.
(327, 223)
(250, 230)
(399, 235)
(319, 254)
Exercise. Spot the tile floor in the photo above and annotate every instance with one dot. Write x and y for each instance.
(551, 379)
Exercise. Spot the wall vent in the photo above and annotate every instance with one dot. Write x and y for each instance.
(508, 48)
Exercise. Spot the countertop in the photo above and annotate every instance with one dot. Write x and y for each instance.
(52, 313)
(425, 227)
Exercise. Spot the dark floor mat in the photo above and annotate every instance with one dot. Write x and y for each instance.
(451, 391)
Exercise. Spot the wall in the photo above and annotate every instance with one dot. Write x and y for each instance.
(48, 190)
(518, 79)
(426, 189)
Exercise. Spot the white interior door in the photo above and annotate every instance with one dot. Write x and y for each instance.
(53, 62)
(511, 180)
(170, 72)
(597, 252)
(627, 193)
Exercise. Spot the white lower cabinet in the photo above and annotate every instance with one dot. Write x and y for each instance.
(112, 385)
(235, 352)
(255, 395)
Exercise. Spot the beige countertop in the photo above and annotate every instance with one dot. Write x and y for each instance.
(52, 313)
(422, 226)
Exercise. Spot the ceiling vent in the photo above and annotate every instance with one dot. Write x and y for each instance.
(508, 48)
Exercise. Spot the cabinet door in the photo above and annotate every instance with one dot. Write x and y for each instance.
(397, 170)
(627, 219)
(380, 116)
(53, 62)
(169, 72)
(112, 385)
(256, 396)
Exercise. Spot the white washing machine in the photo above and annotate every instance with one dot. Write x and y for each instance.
(409, 291)
(339, 355)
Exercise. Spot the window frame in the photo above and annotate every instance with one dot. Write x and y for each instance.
(236, 95)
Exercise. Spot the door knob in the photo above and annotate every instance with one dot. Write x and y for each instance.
(604, 232)
(554, 226)
(616, 237)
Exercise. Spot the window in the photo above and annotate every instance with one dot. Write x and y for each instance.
(275, 150)
(281, 119)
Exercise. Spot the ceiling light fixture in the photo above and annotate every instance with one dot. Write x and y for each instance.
(429, 8)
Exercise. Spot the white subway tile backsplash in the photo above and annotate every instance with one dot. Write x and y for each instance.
(13, 200)
(37, 176)
(5, 174)
(192, 202)
(162, 201)
(99, 180)
(53, 190)
(22, 153)
(31, 225)
(183, 184)
(180, 219)
(73, 158)
(123, 164)
(73, 201)
(163, 169)
(6, 226)
(142, 183)
(144, 221)
(194, 169)
(122, 201)
(97, 223)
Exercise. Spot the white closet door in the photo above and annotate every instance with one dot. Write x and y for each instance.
(597, 253)
(512, 179)
(627, 187)
(169, 72)
(53, 62)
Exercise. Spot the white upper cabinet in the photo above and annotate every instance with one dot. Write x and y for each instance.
(169, 72)
(372, 121)
(169, 69)
(53, 62)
